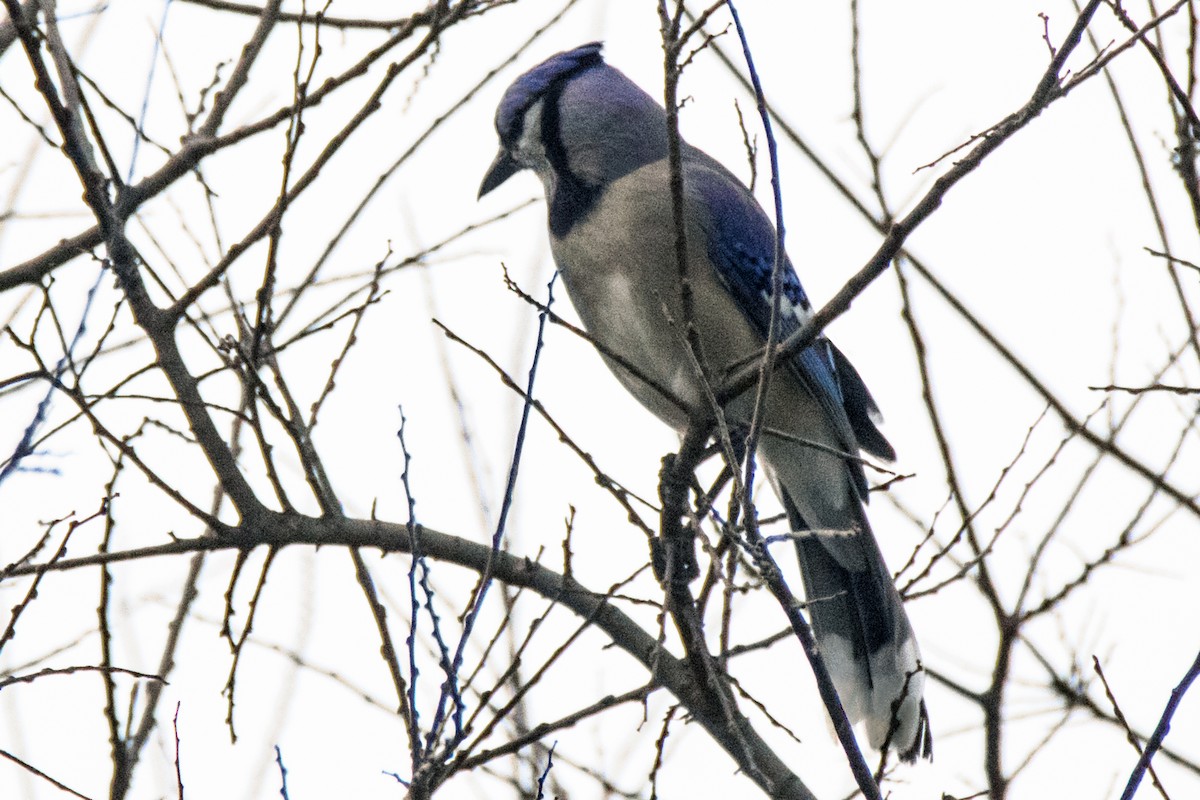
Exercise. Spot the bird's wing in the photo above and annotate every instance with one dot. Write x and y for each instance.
(741, 246)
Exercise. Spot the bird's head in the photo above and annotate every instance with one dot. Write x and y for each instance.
(573, 119)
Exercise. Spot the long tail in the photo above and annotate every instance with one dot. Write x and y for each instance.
(863, 632)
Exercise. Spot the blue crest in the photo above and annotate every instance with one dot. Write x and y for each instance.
(533, 84)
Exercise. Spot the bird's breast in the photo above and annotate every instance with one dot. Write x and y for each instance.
(619, 266)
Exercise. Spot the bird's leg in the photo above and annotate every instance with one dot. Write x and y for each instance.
(673, 553)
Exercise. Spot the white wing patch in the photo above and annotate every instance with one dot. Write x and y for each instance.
(788, 308)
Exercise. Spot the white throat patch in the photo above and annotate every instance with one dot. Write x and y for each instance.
(529, 150)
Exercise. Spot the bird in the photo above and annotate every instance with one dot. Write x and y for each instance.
(599, 145)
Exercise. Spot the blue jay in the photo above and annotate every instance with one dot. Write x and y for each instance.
(599, 145)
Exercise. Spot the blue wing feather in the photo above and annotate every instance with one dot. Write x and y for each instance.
(741, 245)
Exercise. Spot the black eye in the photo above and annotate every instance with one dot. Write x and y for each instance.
(511, 138)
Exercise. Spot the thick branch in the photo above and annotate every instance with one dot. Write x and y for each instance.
(272, 528)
